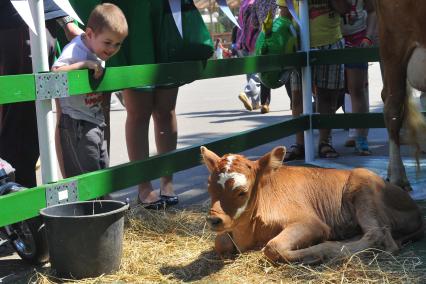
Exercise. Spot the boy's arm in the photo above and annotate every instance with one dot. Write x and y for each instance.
(88, 64)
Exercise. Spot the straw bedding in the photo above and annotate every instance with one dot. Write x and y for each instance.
(173, 246)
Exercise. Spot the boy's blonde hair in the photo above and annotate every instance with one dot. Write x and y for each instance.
(108, 16)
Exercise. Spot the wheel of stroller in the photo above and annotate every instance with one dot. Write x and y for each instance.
(28, 238)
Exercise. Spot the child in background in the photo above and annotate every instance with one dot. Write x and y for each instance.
(218, 49)
(80, 118)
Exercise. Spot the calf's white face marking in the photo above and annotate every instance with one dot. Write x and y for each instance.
(241, 210)
(239, 179)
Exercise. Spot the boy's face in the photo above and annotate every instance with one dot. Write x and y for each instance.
(104, 44)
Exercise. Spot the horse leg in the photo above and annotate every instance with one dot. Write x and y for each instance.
(393, 95)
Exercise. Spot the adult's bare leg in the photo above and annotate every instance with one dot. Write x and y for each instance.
(297, 110)
(296, 151)
(139, 107)
(327, 104)
(165, 128)
(356, 85)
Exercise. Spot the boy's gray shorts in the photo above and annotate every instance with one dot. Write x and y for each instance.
(84, 148)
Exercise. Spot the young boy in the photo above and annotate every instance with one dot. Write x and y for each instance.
(81, 120)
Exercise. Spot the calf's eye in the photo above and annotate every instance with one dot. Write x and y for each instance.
(242, 193)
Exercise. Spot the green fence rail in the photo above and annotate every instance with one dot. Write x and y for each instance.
(17, 88)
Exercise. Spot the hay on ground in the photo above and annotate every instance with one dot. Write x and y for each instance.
(176, 246)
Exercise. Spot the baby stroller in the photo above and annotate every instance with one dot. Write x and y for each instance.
(28, 238)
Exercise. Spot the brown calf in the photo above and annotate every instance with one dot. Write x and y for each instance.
(300, 214)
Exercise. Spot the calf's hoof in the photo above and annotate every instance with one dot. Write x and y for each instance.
(404, 184)
(271, 254)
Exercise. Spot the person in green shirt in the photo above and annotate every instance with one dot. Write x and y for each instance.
(277, 37)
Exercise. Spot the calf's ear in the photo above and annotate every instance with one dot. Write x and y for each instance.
(210, 158)
(273, 159)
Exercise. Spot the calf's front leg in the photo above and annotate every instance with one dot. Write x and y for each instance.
(224, 246)
(295, 236)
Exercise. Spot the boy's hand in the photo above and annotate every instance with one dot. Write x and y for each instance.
(96, 67)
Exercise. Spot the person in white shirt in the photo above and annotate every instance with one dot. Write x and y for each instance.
(82, 147)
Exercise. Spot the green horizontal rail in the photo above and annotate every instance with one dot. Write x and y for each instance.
(17, 88)
(117, 78)
(347, 55)
(20, 88)
(26, 204)
(350, 120)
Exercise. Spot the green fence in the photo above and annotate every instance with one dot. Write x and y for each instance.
(18, 88)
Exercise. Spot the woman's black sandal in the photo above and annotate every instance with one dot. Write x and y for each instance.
(296, 152)
(155, 205)
(170, 200)
(326, 151)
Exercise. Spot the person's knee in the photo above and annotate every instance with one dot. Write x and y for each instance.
(357, 93)
(138, 115)
(327, 100)
(163, 115)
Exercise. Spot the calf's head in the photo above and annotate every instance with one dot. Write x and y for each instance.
(232, 185)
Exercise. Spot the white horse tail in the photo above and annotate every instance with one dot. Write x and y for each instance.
(414, 124)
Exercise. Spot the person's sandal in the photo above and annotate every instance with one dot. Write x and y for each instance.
(296, 152)
(326, 151)
(170, 200)
(155, 205)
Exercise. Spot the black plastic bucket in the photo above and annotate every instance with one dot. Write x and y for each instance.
(85, 238)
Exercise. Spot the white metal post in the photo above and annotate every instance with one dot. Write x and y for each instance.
(40, 61)
(306, 78)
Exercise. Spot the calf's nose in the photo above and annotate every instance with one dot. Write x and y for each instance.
(214, 221)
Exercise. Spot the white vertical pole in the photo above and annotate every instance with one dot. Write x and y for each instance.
(306, 78)
(40, 61)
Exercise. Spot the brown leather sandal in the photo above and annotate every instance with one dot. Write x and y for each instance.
(326, 151)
